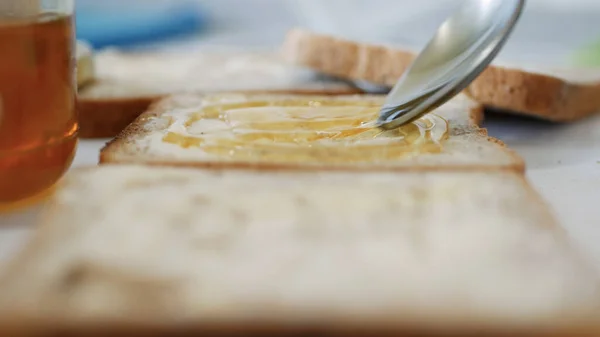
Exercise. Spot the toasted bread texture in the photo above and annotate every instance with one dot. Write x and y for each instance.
(127, 83)
(136, 249)
(559, 95)
(147, 140)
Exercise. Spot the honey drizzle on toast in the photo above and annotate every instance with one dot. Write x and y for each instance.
(301, 131)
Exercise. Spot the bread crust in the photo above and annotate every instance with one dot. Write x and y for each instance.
(106, 118)
(517, 91)
(536, 95)
(115, 149)
(346, 59)
(152, 330)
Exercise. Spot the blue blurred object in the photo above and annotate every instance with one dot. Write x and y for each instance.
(126, 24)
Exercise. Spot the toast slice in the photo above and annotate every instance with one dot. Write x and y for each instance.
(138, 250)
(559, 95)
(127, 83)
(305, 132)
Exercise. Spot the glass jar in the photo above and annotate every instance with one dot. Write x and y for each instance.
(38, 121)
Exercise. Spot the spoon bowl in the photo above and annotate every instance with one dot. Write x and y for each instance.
(463, 46)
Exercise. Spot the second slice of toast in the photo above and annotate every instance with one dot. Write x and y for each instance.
(126, 83)
(306, 132)
(559, 95)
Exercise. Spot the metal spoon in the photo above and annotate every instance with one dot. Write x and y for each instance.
(464, 45)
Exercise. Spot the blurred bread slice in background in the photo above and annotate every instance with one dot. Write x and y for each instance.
(126, 83)
(153, 251)
(555, 95)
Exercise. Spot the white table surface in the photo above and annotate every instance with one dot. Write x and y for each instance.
(563, 160)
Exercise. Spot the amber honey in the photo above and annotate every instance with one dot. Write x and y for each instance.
(38, 124)
(302, 131)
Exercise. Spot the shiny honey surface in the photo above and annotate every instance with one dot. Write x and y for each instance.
(301, 131)
(38, 120)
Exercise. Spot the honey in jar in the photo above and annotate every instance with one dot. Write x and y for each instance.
(38, 124)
